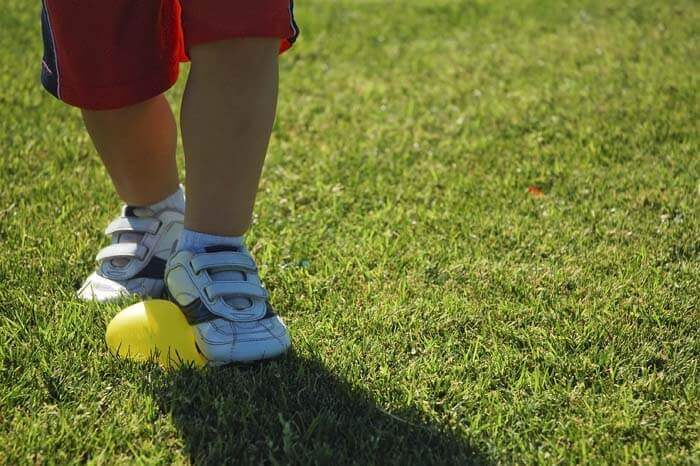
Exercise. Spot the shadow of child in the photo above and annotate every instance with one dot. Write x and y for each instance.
(295, 411)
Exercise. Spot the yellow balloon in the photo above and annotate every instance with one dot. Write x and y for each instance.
(154, 328)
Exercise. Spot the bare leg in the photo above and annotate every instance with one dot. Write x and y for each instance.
(227, 115)
(137, 145)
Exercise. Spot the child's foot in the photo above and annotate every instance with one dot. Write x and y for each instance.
(221, 295)
(134, 263)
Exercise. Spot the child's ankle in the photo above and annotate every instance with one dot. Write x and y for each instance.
(175, 201)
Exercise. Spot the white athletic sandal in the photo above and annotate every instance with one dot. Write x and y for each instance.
(134, 264)
(220, 293)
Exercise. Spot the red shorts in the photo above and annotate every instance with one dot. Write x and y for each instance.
(109, 54)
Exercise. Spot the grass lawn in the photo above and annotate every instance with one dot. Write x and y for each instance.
(480, 220)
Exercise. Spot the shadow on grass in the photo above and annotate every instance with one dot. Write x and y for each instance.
(294, 411)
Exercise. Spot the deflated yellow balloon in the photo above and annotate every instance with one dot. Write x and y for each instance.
(154, 328)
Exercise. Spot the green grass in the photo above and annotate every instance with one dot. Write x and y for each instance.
(439, 312)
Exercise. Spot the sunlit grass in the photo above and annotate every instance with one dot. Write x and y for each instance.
(479, 219)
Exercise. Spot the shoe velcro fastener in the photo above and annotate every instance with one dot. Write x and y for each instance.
(134, 225)
(224, 260)
(128, 250)
(241, 289)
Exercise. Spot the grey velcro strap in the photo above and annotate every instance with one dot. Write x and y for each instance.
(133, 224)
(224, 260)
(241, 289)
(129, 250)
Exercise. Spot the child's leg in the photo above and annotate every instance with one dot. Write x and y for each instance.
(137, 145)
(227, 115)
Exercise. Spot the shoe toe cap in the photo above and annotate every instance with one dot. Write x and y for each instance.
(224, 342)
(275, 325)
(97, 288)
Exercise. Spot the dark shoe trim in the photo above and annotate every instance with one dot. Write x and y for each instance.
(197, 312)
(154, 269)
(221, 248)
